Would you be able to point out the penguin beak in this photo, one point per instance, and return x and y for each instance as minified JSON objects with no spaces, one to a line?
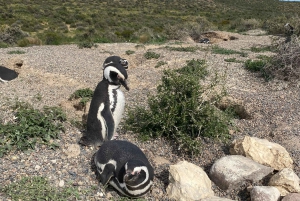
{"x":127,"y":176}
{"x":123,"y":82}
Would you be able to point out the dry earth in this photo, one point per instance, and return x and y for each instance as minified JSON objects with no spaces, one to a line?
{"x":53,"y":73}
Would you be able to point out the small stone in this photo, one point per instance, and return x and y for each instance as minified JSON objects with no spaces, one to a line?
{"x":14,"y":158}
{"x":53,"y":161}
{"x":61,"y":183}
{"x":37,"y":167}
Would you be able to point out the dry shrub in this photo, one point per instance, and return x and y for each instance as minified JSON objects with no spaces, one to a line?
{"x":191,"y":28}
{"x":29,"y":41}
{"x":285,"y":64}
{"x":245,"y":24}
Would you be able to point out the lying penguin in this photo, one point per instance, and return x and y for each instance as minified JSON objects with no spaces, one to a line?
{"x":108,"y":103}
{"x":124,"y":166}
{"x":7,"y":74}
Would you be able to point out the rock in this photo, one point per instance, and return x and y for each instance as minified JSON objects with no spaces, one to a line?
{"x":265,"y":193}
{"x":37,"y":167}
{"x":215,"y":198}
{"x":286,"y":181}
{"x":188,"y":182}
{"x":73,"y":150}
{"x":231,"y":171}
{"x":262,"y":151}
{"x":61,"y":183}
{"x":292,"y":197}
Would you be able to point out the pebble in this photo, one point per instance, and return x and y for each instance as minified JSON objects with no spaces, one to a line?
{"x":37,"y":167}
{"x":61,"y":183}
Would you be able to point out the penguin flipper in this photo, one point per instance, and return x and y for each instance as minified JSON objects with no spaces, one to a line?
{"x":107,"y":174}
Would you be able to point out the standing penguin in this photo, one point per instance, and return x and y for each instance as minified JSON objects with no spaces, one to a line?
{"x":124,"y":166}
{"x":108,"y":102}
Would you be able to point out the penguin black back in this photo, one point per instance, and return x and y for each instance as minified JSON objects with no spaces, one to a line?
{"x":7,"y":74}
{"x":125,"y":167}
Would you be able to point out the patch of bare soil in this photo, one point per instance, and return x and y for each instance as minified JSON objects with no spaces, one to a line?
{"x":50,"y":74}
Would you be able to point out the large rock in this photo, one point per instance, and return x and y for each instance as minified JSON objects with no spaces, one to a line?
{"x":231,"y":171}
{"x":292,"y":197}
{"x":188,"y":182}
{"x":265,"y":193}
{"x":286,"y":181}
{"x":263,"y":152}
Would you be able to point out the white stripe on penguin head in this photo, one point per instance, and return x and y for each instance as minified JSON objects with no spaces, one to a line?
{"x":107,"y":71}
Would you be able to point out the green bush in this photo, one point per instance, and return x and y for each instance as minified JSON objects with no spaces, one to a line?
{"x":219,"y":50}
{"x":16,"y":52}
{"x":160,"y":63}
{"x":255,"y":65}
{"x":38,"y":188}
{"x":151,"y":55}
{"x":30,"y":127}
{"x":183,"y":49}
{"x":129,"y":52}
{"x":82,"y":93}
{"x":85,"y":96}
{"x":179,"y":112}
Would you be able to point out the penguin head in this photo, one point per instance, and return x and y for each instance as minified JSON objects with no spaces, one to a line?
{"x":115,"y":71}
{"x":136,"y":173}
{"x":115,"y":60}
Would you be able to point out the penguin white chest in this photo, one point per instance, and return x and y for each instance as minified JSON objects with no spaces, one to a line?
{"x":117,"y":103}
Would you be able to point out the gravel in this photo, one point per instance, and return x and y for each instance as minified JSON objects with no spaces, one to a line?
{"x":50,"y":74}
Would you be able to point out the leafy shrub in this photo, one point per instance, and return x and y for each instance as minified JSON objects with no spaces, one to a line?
{"x":259,"y":66}
{"x":82,"y":93}
{"x":29,"y":41}
{"x":16,"y":52}
{"x":179,"y":112}
{"x":254,"y":65}
{"x":129,"y":52}
{"x":37,"y":188}
{"x":151,"y":55}
{"x":160,"y":63}
{"x":183,"y":49}
{"x":218,"y":50}
{"x":233,"y":60}
{"x":85,"y":96}
{"x":52,"y":38}
{"x":262,"y":49}
{"x":31,"y":126}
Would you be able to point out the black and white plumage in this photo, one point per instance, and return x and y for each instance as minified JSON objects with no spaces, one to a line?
{"x":125,"y":167}
{"x":7,"y":74}
{"x":108,"y":103}
{"x":204,"y":40}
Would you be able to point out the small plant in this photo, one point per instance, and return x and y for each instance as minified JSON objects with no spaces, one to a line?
{"x":183,"y":49}
{"x":151,"y":55}
{"x":16,"y":52}
{"x":85,"y":96}
{"x":179,"y":112}
{"x":218,"y":50}
{"x":254,"y":65}
{"x":160,"y":63}
{"x":129,"y":52}
{"x":233,"y":60}
{"x":38,"y":188}
{"x":262,"y":49}
{"x":31,"y":127}
{"x":82,"y":93}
